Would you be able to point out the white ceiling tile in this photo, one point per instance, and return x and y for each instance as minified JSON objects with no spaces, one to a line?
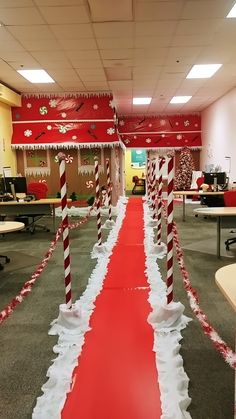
{"x":16,"y":3}
{"x":195,"y":40}
{"x":98,"y":86}
{"x":105,"y":10}
{"x":82,"y":54}
{"x":118,"y":73}
{"x":13,"y":56}
{"x":21,"y":16}
{"x":30,"y":32}
{"x":93,"y":78}
{"x":117,"y":63}
{"x":48,"y":56}
{"x":115,"y":43}
{"x":159,"y":10}
{"x":205,"y":9}
{"x":90,"y":72}
{"x":194,"y":27}
{"x":64,"y":14}
{"x":114,"y":29}
{"x":162,"y":28}
{"x":116,"y":54}
{"x":78,"y":63}
{"x":59,"y":2}
{"x":72,"y":31}
{"x":152,"y":41}
{"x":59,"y":64}
{"x":41,"y":45}
{"x":78,"y":44}
{"x":10,"y":46}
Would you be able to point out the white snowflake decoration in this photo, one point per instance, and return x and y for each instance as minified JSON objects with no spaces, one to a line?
{"x":163,"y":135}
{"x":53,"y":103}
{"x":179,"y":137}
{"x":121,"y":123}
{"x":29,"y":105}
{"x":148,"y":140}
{"x":127,"y":141}
{"x":27,"y":133}
{"x":111,"y":103}
{"x":74,"y":137}
{"x":63,"y":115}
{"x":95,"y":107}
{"x":186,"y":123}
{"x":162,"y":122}
{"x":110,"y":131}
{"x":49,"y":127}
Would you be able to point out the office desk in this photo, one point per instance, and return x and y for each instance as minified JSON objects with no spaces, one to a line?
{"x":194,"y":193}
{"x":42,"y":206}
{"x":225,"y":280}
{"x":218,"y":212}
{"x":8,"y":227}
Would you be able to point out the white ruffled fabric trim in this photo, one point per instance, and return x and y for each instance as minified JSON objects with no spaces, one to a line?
{"x":167,"y":320}
{"x":71,"y":326}
{"x":83,"y":211}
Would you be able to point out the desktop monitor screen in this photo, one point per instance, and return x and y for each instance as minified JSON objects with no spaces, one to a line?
{"x":18,"y":182}
{"x":219,"y":176}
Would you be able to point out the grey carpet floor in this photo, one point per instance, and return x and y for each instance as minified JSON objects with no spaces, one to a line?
{"x":26,"y":347}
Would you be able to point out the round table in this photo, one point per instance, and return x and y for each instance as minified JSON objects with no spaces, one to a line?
{"x":8,"y":227}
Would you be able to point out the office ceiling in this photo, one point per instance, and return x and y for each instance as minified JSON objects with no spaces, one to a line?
{"x":129,"y":48}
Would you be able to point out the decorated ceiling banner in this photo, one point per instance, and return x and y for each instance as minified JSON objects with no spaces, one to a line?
{"x":86,"y":160}
{"x":164,"y":132}
{"x":72,"y":121}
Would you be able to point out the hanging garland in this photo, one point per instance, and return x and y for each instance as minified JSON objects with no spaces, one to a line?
{"x":222,"y":347}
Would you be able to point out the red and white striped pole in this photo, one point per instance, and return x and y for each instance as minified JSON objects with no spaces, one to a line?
{"x":169,"y":280}
{"x":98,"y":201}
{"x":153,"y":190}
{"x":159,"y":204}
{"x":108,"y":188}
{"x":148,"y":177}
{"x":65,"y":229}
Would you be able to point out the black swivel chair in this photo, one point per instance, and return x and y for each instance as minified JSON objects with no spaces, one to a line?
{"x":230,"y":201}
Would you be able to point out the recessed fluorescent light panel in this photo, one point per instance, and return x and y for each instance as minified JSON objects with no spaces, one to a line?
{"x":203,"y":71}
{"x":180,"y":99}
{"x":232,"y":12}
{"x":36,"y":76}
{"x":142,"y":100}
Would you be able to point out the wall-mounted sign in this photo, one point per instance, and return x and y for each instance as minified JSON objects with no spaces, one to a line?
{"x":138,"y":159}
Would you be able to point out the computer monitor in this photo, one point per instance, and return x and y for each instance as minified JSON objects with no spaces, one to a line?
{"x":19,"y":183}
{"x":219,"y":176}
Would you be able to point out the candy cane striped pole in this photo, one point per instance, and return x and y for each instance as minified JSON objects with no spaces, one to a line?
{"x":98,"y":201}
{"x":148,"y":177}
{"x":169,"y":280}
{"x":108,"y":188}
{"x":153,"y":190}
{"x":65,"y":229}
{"x":159,"y":205}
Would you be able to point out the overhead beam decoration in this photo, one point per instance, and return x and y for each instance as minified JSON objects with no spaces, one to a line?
{"x":70,"y":121}
{"x":161,"y":132}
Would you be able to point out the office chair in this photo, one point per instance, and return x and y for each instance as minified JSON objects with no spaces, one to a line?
{"x":39,"y":191}
{"x":7,"y":260}
{"x":139,"y":186}
{"x":230,"y":201}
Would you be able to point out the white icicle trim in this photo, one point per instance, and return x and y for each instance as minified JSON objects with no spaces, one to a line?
{"x":71,"y":339}
{"x":83,"y":211}
{"x":167,"y":321}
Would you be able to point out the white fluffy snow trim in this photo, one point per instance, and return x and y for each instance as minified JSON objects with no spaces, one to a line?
{"x":99,"y":250}
{"x":71,"y":329}
{"x":167,"y":323}
{"x":158,"y":250}
{"x":82,"y":211}
{"x":108,"y":224}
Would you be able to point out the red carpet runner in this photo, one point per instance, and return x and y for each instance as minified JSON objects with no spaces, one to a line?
{"x":116,"y":377}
